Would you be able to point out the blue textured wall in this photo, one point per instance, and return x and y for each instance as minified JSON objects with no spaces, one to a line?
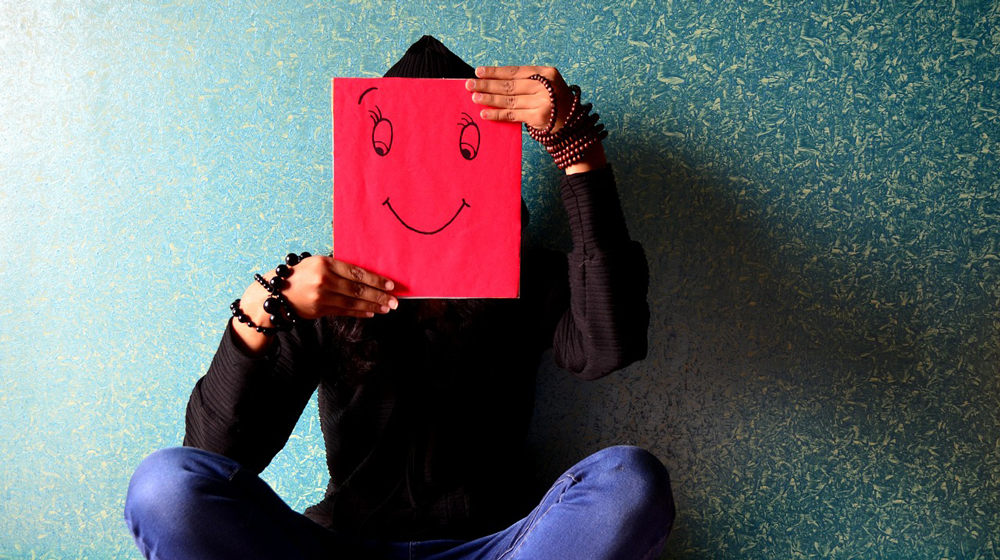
{"x":816,"y":186}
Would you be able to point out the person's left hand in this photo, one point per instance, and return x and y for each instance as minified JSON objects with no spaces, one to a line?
{"x":511,"y":96}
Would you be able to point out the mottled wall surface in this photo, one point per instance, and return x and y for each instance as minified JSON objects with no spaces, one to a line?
{"x":815,"y":184}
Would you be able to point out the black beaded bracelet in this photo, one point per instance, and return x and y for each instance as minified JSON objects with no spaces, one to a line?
{"x":279,"y":311}
{"x":260,"y":280}
{"x":242,"y":317}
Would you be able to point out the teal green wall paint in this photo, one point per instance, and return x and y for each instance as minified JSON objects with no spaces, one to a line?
{"x":815,"y":184}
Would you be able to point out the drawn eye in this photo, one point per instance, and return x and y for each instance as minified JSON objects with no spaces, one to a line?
{"x":468,"y":137}
{"x":381,"y":132}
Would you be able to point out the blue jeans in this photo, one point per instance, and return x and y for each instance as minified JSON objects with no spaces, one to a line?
{"x":188,"y":503}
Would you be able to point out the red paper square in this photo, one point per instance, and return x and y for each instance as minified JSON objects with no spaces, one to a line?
{"x":426,"y":192}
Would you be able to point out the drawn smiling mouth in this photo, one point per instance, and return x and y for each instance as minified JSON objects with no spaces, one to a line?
{"x":438,"y":230}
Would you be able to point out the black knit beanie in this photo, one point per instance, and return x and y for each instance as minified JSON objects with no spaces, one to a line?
{"x":429,"y":58}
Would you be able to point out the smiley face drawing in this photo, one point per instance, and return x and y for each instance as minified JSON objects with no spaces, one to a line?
{"x":425,"y":192}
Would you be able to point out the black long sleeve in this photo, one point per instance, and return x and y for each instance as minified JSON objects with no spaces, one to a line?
{"x":246,"y":407}
{"x":605,"y":327}
{"x":394,"y":449}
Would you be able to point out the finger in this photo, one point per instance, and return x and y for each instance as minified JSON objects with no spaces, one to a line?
{"x":352,"y":313}
{"x":511,"y":101}
{"x":514,"y":115}
{"x":360,"y":275}
{"x":505,"y":87}
{"x":339,"y":303}
{"x":514,"y":72}
{"x":359,"y":291}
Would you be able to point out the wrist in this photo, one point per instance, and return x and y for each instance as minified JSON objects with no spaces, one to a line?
{"x":263,"y":309}
{"x":593,"y":158}
{"x":575,"y":140}
{"x":252,"y":305}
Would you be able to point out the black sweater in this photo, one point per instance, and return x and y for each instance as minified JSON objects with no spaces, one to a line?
{"x":428,"y":444}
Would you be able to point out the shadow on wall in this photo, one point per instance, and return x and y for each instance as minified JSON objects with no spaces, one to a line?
{"x":772,"y":301}
{"x":821,"y":266}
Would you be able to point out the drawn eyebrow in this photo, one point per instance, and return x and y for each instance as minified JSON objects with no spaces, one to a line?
{"x":365,"y":93}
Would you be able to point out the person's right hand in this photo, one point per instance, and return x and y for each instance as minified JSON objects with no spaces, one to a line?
{"x":318,"y":287}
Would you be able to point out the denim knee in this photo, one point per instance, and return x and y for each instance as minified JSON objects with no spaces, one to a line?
{"x":640,"y":485}
{"x":169,"y":484}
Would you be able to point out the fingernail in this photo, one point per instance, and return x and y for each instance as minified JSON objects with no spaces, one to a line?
{"x":369,"y":314}
{"x":470,"y":84}
{"x":384,"y":309}
{"x":479,"y":71}
{"x":483,"y":114}
{"x":394,"y":303}
{"x":389,"y":285}
{"x":477,"y":97}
